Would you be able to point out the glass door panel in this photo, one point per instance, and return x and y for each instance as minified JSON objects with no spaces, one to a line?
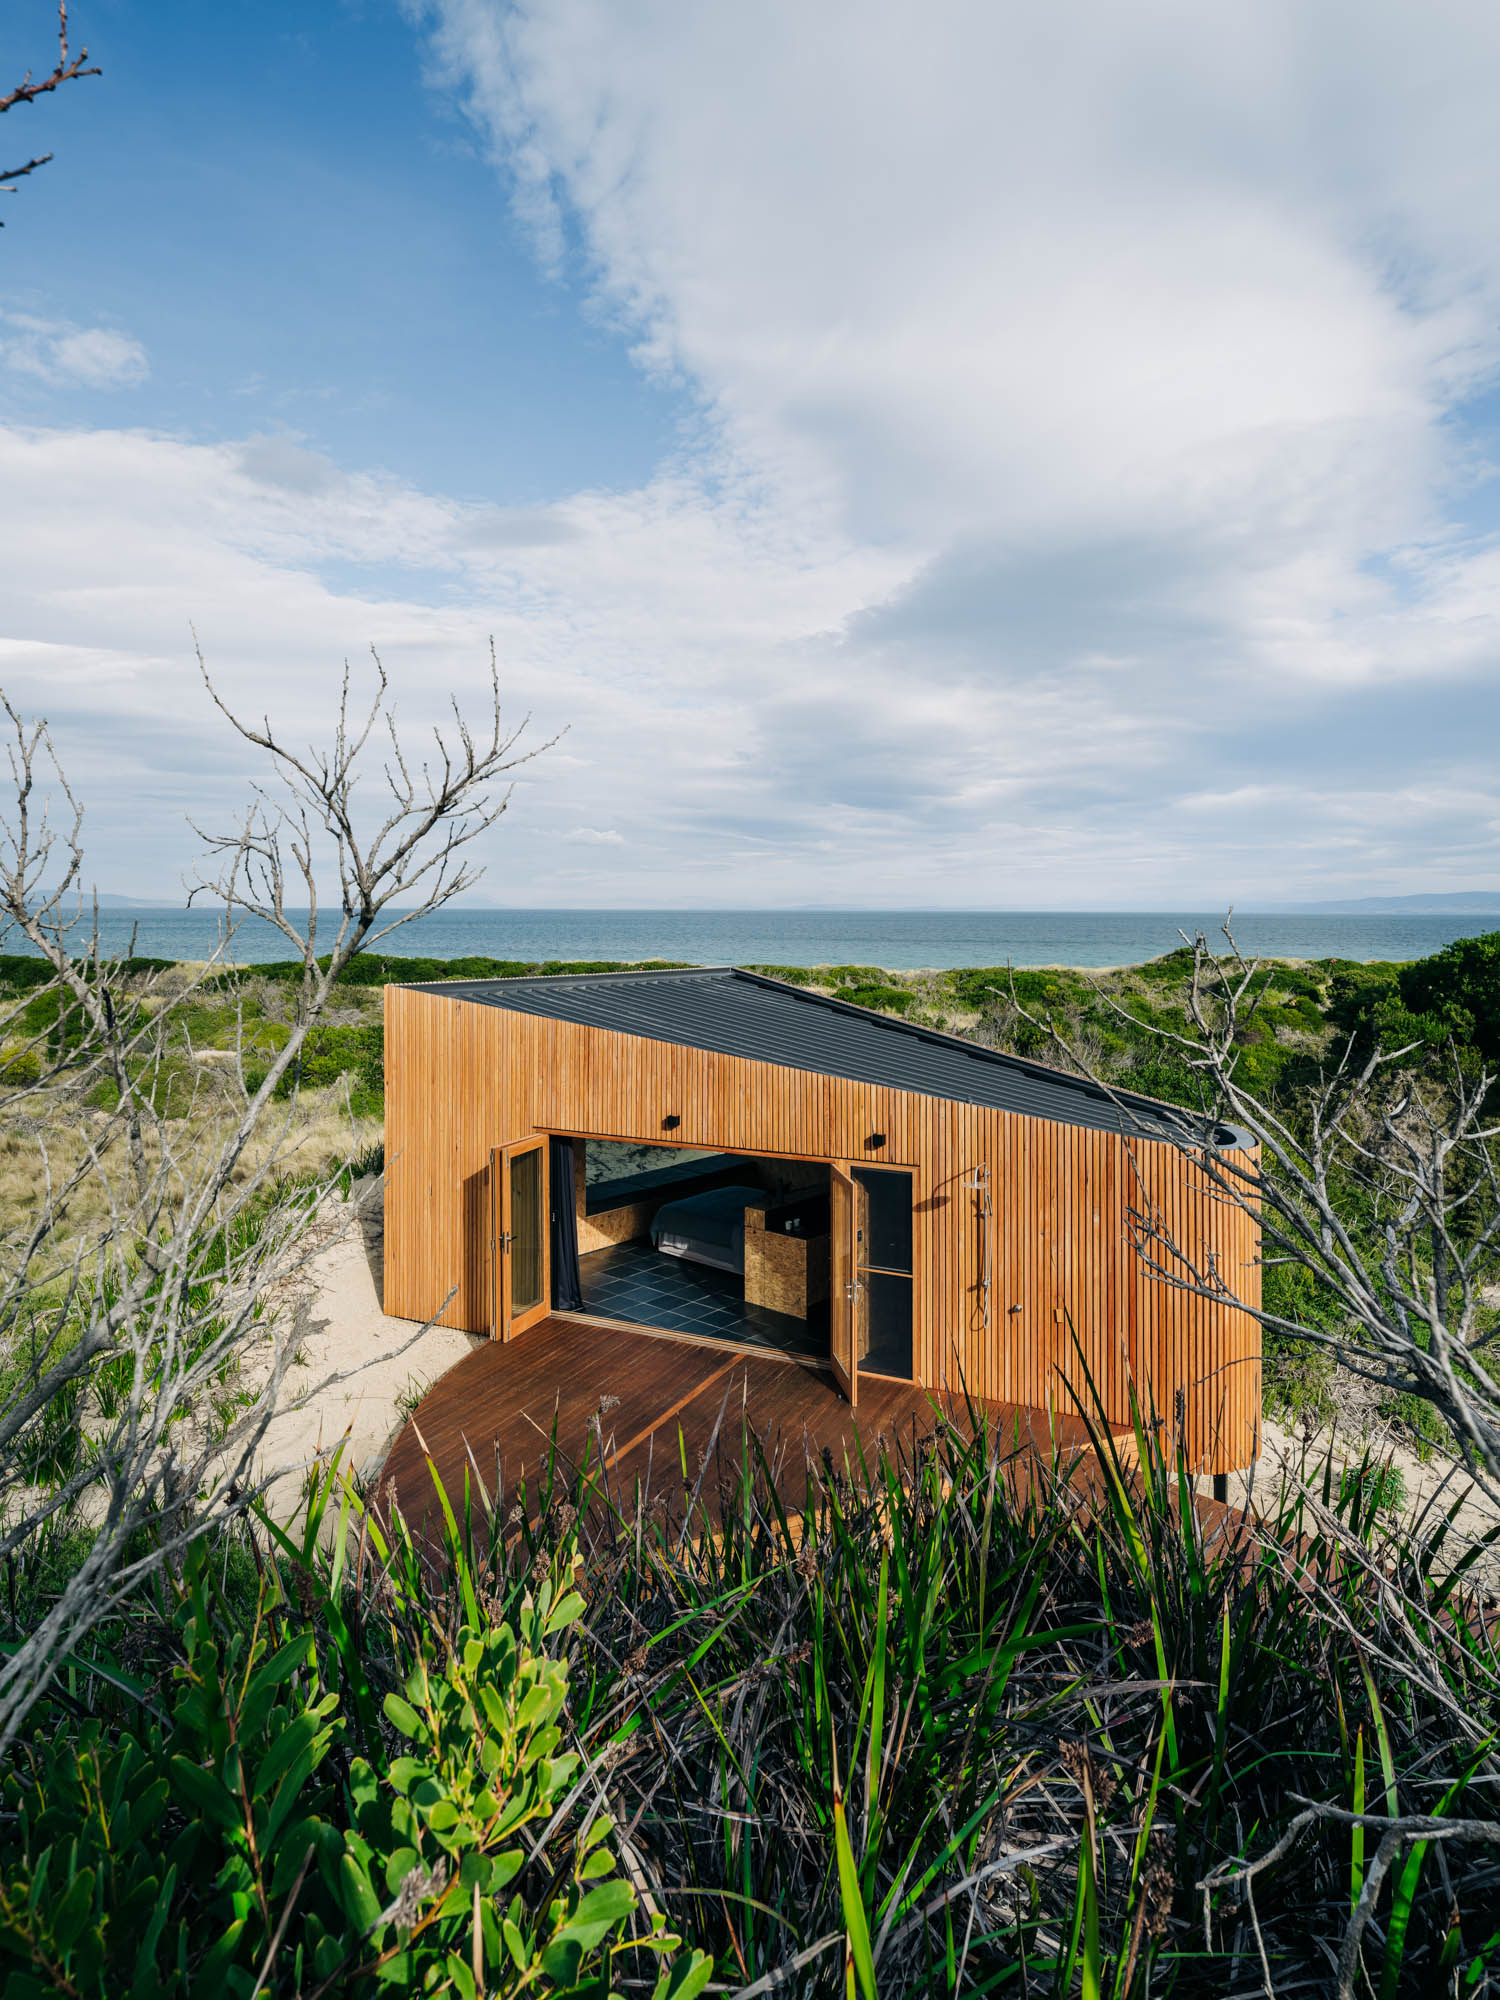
{"x":527,"y":1230}
{"x":887,"y":1323}
{"x":519,"y":1240}
{"x":843,"y":1284}
{"x":883,"y":1269}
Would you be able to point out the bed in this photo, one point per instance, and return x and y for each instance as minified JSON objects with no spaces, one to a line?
{"x":707,"y":1228}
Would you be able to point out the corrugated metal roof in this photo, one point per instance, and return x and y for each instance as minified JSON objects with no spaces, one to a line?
{"x":736,"y":1013}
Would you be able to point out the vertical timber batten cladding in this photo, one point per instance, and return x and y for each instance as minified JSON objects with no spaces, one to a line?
{"x":748,"y":1065}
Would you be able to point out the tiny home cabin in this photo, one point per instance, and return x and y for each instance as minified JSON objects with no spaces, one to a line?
{"x":724,"y":1156}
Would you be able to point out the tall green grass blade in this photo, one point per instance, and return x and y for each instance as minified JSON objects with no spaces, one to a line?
{"x":1382,"y":1739}
{"x":1404,"y":1894}
{"x":1091,"y":1982}
{"x":860,"y":1961}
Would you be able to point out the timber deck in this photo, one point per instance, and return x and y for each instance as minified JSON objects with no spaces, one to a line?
{"x":650,"y":1408}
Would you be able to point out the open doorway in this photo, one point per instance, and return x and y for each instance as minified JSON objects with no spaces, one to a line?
{"x":727,"y":1246}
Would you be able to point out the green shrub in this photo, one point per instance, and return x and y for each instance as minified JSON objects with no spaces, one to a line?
{"x":977,"y":1724}
{"x":20,"y":974}
{"x":1172,"y":968}
{"x":20,"y":1066}
{"x":835,"y":1716}
{"x":1416,"y":1418}
{"x":57,"y":1016}
{"x":1297,"y":1379}
{"x":849,"y":975}
{"x":328,"y":1053}
{"x":1460,"y":987}
{"x":978,"y":988}
{"x":1372,"y":1489}
{"x":790,"y":975}
{"x":883,"y":999}
{"x":391,"y":969}
{"x":253,"y":1819}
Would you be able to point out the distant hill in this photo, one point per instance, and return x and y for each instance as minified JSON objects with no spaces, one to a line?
{"x":1453,"y":903}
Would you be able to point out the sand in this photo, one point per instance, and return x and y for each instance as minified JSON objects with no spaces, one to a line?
{"x":1294,"y":1456}
{"x":344,"y":1328}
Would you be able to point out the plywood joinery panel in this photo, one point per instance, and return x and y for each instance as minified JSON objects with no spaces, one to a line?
{"x":1070,"y":1298}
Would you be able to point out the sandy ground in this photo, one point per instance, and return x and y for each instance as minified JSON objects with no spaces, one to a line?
{"x":1294,"y":1456}
{"x":345,"y":1329}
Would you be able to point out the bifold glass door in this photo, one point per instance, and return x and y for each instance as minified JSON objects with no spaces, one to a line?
{"x":519,"y":1275}
{"x":882,"y":1270}
{"x":870,"y":1290}
{"x":843,"y":1285}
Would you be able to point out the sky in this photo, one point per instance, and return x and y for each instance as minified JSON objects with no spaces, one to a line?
{"x":1025,"y":457}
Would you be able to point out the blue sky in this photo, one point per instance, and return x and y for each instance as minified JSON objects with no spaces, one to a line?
{"x":303,"y":237}
{"x":1039,"y":457}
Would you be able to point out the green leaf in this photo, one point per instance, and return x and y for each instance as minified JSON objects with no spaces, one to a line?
{"x":212,"y":1969}
{"x":599,"y":1913}
{"x":356,"y":1894}
{"x":299,"y":1735}
{"x":535,"y":1707}
{"x":286,"y":1797}
{"x":561,"y":1959}
{"x":461,"y":1976}
{"x":279,"y":1669}
{"x":688,"y":1978}
{"x":206,"y":1793}
{"x":564,"y":1612}
{"x":72,"y":1913}
{"x":404,"y":1716}
{"x":856,"y":1923}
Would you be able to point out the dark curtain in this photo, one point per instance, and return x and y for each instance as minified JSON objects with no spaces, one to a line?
{"x":567,"y":1282}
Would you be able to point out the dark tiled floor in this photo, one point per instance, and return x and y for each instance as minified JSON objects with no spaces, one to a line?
{"x":631,"y":1281}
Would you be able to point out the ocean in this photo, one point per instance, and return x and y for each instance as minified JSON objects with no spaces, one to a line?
{"x":899,"y":940}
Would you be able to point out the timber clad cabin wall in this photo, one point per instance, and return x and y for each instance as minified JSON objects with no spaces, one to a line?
{"x":462,"y":1077}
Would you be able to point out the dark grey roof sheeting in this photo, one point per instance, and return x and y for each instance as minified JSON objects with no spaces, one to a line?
{"x":736,"y":1013}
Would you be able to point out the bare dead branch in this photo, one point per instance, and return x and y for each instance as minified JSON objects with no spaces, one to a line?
{"x":134,"y":1331}
{"x":1383,"y":1183}
{"x":67,"y":69}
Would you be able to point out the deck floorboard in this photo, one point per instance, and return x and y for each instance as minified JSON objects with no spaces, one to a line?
{"x":652,"y":1406}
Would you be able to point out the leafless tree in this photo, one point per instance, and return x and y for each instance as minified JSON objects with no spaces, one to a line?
{"x":154,"y":1332}
{"x":67,"y":69}
{"x":1382,"y":1182}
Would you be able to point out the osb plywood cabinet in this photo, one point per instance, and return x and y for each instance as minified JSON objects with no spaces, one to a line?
{"x":785,"y":1273}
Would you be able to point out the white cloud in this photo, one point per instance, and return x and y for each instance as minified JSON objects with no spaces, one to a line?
{"x":999,"y":267}
{"x":1133,"y":342}
{"x":56,"y":351}
{"x":1076,"y":514}
{"x":756,"y":712}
